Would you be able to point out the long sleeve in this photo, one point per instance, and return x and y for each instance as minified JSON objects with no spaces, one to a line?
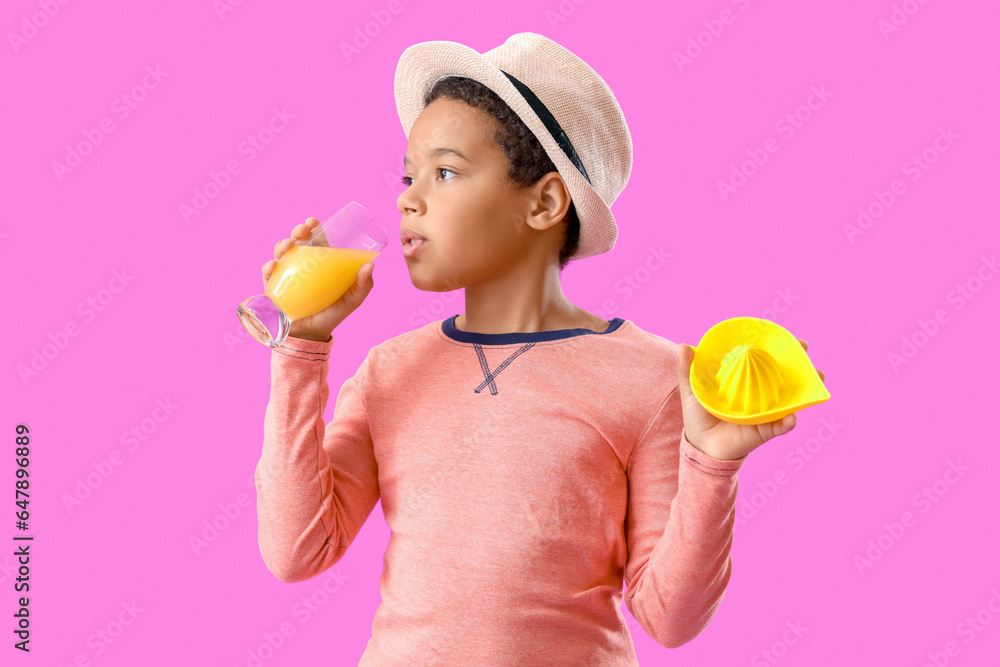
{"x":316,"y":483}
{"x":679,"y":530}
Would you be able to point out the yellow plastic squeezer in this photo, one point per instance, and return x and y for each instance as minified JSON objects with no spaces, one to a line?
{"x":748,"y":370}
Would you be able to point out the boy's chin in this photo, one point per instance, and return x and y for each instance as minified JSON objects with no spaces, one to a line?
{"x":421,"y":278}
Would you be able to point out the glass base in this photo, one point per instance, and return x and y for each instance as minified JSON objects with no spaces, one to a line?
{"x":265,"y":321}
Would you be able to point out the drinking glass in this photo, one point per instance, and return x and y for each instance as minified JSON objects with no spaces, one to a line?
{"x":311,"y":276}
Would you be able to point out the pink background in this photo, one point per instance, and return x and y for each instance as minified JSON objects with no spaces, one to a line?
{"x":779,"y":246}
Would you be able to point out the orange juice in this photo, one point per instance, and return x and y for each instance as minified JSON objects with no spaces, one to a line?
{"x":311,"y":278}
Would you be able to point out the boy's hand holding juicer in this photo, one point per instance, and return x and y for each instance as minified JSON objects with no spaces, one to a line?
{"x":742,"y":386}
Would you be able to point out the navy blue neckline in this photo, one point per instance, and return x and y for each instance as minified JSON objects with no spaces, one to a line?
{"x":448,"y":327}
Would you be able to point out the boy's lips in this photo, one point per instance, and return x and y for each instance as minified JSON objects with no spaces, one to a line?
{"x":406,"y":234}
{"x":410,"y":248}
{"x":412,"y":241}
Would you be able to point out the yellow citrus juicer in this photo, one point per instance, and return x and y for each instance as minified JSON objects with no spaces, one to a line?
{"x":748,"y":370}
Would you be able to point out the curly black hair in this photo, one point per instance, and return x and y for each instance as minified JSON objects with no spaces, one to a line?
{"x":527,"y":160}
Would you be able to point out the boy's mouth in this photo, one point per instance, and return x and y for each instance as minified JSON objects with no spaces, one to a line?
{"x":411,"y":246}
{"x":408,"y":235}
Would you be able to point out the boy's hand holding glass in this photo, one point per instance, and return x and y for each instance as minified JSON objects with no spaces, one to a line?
{"x":319,"y":276}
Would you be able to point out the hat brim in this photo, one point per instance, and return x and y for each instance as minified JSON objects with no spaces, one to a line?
{"x":421,"y":65}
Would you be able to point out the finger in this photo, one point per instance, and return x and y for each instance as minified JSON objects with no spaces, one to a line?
{"x":822,"y":375}
{"x":304,"y":230}
{"x":312,"y":232}
{"x":267,"y":269}
{"x":785,"y":424}
{"x":805,"y":345}
{"x":281,"y":247}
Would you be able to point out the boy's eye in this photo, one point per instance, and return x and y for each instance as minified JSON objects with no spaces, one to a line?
{"x":407,"y":180}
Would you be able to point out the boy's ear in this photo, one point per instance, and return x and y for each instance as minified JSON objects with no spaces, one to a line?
{"x":550,"y":201}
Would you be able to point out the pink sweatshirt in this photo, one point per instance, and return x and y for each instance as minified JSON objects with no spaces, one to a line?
{"x":522,"y":475}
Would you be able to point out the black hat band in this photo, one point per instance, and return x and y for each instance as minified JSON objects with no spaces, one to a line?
{"x":551,"y":124}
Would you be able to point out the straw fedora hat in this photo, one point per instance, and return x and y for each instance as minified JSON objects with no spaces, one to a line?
{"x":562,"y":100}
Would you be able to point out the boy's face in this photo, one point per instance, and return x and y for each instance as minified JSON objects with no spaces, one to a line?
{"x":471,"y":215}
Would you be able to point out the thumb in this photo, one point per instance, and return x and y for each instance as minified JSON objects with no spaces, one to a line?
{"x":357,"y":292}
{"x":365,"y":273}
{"x":685,"y":355}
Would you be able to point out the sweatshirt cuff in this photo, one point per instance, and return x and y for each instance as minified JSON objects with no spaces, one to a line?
{"x":707,"y":464}
{"x":306,"y":350}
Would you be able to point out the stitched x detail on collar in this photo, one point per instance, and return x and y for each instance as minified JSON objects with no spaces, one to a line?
{"x":489,"y":375}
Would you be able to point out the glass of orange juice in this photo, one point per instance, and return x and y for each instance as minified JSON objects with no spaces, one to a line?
{"x":311,"y":276}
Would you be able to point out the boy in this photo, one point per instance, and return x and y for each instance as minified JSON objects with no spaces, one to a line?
{"x":529,"y":455}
